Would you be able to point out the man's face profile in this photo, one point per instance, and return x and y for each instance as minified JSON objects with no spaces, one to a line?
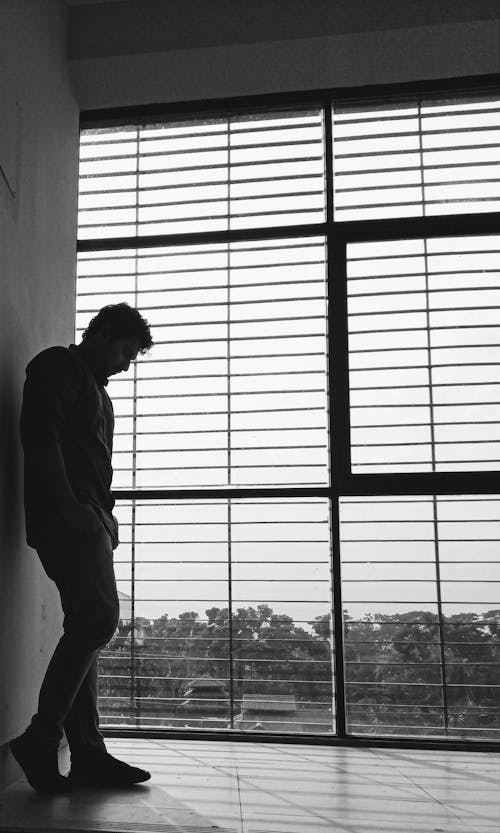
{"x":116,"y":354}
{"x":111,"y":355}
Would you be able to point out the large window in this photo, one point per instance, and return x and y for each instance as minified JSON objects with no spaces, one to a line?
{"x":304,"y":462}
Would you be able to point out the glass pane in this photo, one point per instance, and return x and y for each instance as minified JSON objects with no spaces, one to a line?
{"x":421,"y":581}
{"x":234,"y":391}
{"x":424,"y":354}
{"x":210,"y":174}
{"x":407,"y":159}
{"x":191,"y":653}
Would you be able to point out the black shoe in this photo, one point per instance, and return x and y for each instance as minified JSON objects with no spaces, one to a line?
{"x":102,"y":770}
{"x":40,"y":765}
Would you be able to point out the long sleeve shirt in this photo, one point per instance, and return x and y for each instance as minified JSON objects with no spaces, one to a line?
{"x":64,"y":402}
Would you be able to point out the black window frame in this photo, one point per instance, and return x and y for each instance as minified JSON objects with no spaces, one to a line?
{"x":338,"y":235}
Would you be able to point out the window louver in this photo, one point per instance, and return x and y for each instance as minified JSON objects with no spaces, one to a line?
{"x":234,"y":392}
{"x":227,"y":173}
{"x":414,"y":159}
{"x":424,"y":321}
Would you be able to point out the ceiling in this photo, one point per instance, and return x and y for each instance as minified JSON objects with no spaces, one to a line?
{"x":93,"y":2}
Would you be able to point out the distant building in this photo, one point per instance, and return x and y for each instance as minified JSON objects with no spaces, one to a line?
{"x":205,"y":703}
{"x":124,"y":628}
{"x":280,"y":713}
{"x":125,"y":610}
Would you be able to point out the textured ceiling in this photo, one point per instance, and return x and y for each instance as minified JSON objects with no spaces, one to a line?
{"x":93,"y":2}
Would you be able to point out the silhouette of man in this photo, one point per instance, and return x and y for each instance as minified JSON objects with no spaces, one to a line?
{"x":67,"y":434}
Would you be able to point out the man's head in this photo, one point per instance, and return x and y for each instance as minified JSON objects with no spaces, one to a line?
{"x":115,"y":337}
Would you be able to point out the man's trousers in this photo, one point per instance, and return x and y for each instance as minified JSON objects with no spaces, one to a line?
{"x":82,"y":568}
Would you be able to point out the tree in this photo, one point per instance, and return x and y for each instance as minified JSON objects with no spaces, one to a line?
{"x":398,"y":674}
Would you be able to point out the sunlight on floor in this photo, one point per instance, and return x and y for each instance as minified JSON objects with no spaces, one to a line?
{"x":205,"y":787}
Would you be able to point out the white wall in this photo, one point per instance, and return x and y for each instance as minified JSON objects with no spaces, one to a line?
{"x":39,"y":154}
{"x":146,"y":52}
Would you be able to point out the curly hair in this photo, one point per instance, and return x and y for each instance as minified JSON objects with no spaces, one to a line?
{"x":123,"y":321}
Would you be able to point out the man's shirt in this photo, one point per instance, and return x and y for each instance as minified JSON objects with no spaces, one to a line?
{"x":64,"y":402}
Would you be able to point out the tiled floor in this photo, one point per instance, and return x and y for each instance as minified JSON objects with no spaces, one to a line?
{"x":224,"y":787}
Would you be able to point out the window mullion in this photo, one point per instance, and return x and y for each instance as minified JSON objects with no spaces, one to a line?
{"x":338,"y":412}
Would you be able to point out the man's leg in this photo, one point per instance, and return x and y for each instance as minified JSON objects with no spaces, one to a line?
{"x":86,"y":582}
{"x":85,"y":578}
{"x":82,"y":723}
{"x":91,"y":764}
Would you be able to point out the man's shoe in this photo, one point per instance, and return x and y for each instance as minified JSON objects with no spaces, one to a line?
{"x":103,"y":770}
{"x":40,"y":765}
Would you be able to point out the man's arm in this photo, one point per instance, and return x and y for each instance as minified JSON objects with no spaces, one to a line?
{"x":50,"y":393}
{"x":79,"y":516}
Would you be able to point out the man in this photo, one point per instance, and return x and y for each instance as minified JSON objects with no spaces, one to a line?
{"x":67,"y":433}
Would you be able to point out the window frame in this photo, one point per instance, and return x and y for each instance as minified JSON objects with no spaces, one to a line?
{"x":401,"y":483}
{"x":337,"y":235}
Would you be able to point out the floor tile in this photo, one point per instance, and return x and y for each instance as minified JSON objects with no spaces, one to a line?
{"x":273,"y":788}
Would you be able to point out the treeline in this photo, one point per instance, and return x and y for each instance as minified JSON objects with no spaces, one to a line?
{"x":405,"y":673}
{"x":412,"y":674}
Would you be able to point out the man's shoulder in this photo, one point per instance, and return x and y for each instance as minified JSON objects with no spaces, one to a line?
{"x":56,"y":361}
